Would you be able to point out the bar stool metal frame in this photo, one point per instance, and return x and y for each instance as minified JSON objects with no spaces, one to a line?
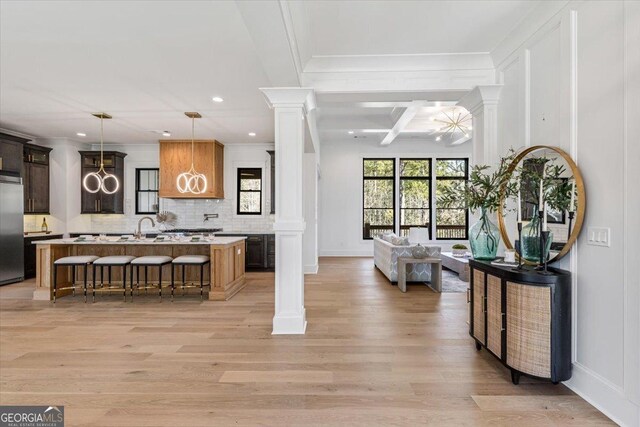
{"x":178,"y":262}
{"x":115,"y":263}
{"x":83,"y":261}
{"x":146,"y":285}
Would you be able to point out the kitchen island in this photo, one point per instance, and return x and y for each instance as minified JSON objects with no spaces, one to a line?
{"x":227,"y":260}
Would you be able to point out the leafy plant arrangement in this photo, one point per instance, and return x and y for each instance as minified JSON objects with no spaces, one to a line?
{"x":483,"y":190}
{"x":458,"y":246}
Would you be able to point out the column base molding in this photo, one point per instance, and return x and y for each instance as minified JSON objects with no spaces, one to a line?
{"x":290,"y":324}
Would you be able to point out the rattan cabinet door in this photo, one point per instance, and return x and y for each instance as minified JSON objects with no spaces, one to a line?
{"x":494,"y":315}
{"x":478,"y":306}
{"x":529,"y":329}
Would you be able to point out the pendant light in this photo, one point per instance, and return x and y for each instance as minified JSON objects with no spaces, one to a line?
{"x":192,"y":181}
{"x":99,"y":179}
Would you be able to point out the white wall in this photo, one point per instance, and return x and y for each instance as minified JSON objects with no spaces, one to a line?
{"x":340,"y":189}
{"x":571,"y":81}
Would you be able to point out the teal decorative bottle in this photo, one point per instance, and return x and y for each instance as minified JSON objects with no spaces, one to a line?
{"x":531,"y":240}
{"x":484,"y":238}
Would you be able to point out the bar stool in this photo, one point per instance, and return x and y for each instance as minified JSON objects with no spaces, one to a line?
{"x":73,"y":262}
{"x":184,"y":261}
{"x":149,"y":261}
{"x":111,"y":261}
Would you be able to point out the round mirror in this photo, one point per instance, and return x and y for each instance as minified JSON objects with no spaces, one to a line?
{"x":549,"y":196}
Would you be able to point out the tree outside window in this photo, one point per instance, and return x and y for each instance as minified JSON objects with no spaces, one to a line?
{"x":415,"y":194}
{"x":452,"y":221}
{"x":379,"y":201}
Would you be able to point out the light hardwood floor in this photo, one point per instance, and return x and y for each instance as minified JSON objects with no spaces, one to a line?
{"x":372,"y":355}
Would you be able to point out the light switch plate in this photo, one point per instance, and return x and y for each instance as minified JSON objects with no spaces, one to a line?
{"x":599,"y":236}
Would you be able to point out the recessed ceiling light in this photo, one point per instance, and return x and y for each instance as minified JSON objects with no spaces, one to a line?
{"x":350,"y":132}
{"x":81,"y":134}
{"x":166,"y":133}
{"x":252,"y":134}
{"x":217,"y":99}
{"x":438,"y":138}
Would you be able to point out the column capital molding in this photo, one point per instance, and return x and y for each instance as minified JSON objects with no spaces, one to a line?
{"x":481,"y":96}
{"x":304,"y":97}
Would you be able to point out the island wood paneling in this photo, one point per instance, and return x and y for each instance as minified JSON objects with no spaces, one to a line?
{"x":208,"y":159}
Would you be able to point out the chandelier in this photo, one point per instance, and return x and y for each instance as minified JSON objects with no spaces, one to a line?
{"x":455,"y":121}
{"x":192,"y":181}
{"x":97,"y":181}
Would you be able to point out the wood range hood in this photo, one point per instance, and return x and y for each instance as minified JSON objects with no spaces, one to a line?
{"x":208,"y":159}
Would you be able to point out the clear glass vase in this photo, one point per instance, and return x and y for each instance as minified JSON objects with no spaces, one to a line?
{"x":484,"y":238}
{"x":531,"y":240}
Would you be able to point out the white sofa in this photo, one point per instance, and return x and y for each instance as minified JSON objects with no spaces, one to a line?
{"x":385,"y":258}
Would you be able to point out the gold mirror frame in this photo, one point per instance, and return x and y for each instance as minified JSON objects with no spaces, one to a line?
{"x":582,"y":199}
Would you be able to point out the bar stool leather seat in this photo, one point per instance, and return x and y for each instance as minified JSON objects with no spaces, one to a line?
{"x":76,"y":260}
{"x":152,"y":260}
{"x":191,"y":259}
{"x":114,"y":260}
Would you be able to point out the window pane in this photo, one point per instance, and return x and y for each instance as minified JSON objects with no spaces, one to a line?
{"x":144,"y":180}
{"x":414,"y":193}
{"x":250,"y":184}
{"x":378,"y":193}
{"x":377,"y":222}
{"x":451,"y":218}
{"x":414,"y":168}
{"x":451,"y":223}
{"x":153,"y":180}
{"x":453,"y":168}
{"x":378,"y":168}
{"x":249,"y":202}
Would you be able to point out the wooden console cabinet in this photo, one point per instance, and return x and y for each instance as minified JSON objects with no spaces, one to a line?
{"x":523,"y":318}
{"x":175,"y":158}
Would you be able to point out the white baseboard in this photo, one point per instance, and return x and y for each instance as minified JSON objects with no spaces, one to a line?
{"x":358,"y":253}
{"x":290,"y":324}
{"x":311,"y":269}
{"x":605,"y":396}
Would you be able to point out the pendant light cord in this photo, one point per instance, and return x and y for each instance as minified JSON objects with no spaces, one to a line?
{"x":101,"y":143}
{"x":193,"y":135}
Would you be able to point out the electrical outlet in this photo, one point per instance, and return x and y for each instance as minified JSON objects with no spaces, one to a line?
{"x":599,"y":236}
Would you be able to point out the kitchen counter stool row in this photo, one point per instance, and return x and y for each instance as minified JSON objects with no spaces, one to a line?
{"x":134,"y":263}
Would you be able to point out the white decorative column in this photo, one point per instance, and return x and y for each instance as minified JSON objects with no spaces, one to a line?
{"x":482,"y":103}
{"x":290,"y":105}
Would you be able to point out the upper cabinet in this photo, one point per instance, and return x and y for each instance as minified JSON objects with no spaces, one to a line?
{"x":11,"y":154}
{"x":101,"y":203}
{"x":208,"y":159}
{"x":35,"y":176}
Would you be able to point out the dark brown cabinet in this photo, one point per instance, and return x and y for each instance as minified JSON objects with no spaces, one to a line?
{"x":30,"y":253}
{"x":272,"y":179}
{"x":11,"y":154}
{"x":260,"y":252}
{"x":35,"y":175}
{"x":101,"y":203}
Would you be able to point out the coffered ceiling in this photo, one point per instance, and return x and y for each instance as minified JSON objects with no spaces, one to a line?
{"x":147,"y":62}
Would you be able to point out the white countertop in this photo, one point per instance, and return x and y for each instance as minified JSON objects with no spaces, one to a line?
{"x":218,"y":240}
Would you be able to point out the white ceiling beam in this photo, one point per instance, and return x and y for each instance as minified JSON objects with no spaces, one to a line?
{"x":403,"y":121}
{"x":265,"y":22}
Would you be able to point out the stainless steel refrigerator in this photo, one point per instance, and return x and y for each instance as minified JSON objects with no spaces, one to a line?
{"x":11,"y":230}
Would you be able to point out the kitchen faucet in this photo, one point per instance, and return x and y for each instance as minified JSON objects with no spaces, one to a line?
{"x":138,"y":234}
{"x":207,"y":217}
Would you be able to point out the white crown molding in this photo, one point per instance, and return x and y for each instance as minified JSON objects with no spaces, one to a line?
{"x":399,"y":62}
{"x":536,"y":19}
{"x":291,"y":37}
{"x":403,"y":81}
{"x":16,"y":133}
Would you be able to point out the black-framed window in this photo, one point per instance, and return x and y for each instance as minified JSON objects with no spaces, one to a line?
{"x":249,"y":196}
{"x":147,"y":191}
{"x":378,"y":188}
{"x":415,"y":194}
{"x":452,"y":222}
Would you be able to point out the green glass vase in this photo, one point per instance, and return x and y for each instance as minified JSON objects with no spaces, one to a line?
{"x":531,"y":240}
{"x":484,"y":238}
